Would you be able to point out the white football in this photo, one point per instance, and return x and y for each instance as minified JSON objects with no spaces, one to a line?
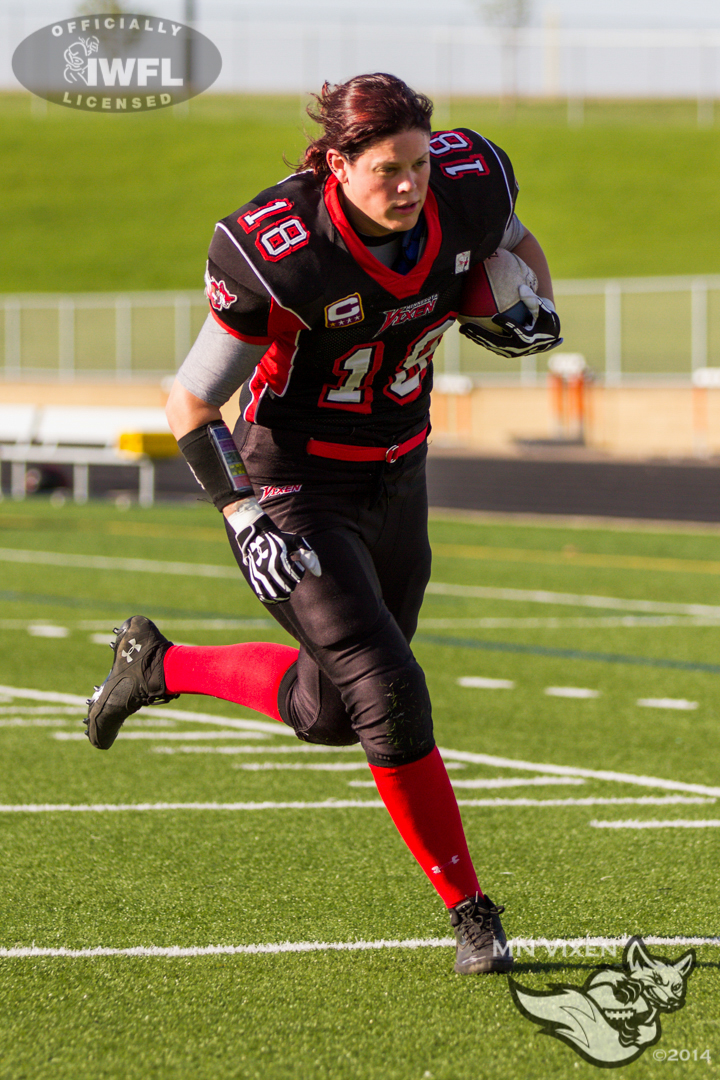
{"x":492,"y":288}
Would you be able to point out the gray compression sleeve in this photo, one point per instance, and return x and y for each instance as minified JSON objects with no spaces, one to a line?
{"x":218,"y":364}
{"x":513,"y":234}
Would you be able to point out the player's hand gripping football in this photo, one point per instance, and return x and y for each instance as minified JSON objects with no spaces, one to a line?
{"x":276,"y":560}
{"x":539,"y":333}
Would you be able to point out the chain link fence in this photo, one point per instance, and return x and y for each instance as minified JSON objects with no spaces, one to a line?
{"x":628,"y":329}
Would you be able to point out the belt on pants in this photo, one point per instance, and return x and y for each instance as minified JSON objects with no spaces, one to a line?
{"x":344,"y":452}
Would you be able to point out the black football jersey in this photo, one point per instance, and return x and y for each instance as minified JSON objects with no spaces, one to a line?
{"x":349,"y":341}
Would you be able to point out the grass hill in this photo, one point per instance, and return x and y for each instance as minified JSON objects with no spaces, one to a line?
{"x":129,"y":202}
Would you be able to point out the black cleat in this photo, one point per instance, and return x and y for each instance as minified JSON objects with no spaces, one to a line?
{"x":135,"y":679}
{"x":481,"y":941}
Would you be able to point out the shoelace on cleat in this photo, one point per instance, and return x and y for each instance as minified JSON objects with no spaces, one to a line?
{"x":477,"y":923}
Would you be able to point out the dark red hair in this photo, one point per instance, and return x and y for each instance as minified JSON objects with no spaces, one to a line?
{"x":356,"y":114}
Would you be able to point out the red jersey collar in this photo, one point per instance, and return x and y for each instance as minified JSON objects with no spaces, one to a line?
{"x":399,"y":285}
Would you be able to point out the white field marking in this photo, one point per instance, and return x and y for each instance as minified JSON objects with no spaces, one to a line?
{"x":699,"y":823}
{"x":38,"y":710}
{"x":271,"y":727}
{"x":275,"y":948}
{"x":179,"y":736}
{"x":667,"y":703}
{"x":47,"y":630}
{"x":335,"y":804}
{"x":25,"y":722}
{"x":589,"y":623}
{"x":479,"y":682}
{"x":156,"y":566}
{"x":302,"y":748}
{"x":511,"y":781}
{"x":570,"y":770}
{"x":182,"y":624}
{"x":517,"y":781}
{"x":571,"y":692}
{"x":336,"y":766}
{"x":103,"y":562}
{"x":542,"y":596}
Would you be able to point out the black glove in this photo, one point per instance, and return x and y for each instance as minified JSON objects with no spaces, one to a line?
{"x":540,"y":333}
{"x":268,"y":554}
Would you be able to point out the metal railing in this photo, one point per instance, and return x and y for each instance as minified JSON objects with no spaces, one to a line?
{"x":628,"y":329}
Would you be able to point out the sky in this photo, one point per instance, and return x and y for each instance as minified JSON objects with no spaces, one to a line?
{"x":569,"y":13}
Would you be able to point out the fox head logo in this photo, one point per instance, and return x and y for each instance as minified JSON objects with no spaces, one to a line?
{"x":615,"y":1015}
{"x":218,"y":294}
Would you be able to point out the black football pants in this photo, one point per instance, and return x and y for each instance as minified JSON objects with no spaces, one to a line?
{"x":356,"y":679}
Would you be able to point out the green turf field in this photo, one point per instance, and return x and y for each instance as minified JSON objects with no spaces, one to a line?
{"x":627,"y":615}
{"x":129,"y":202}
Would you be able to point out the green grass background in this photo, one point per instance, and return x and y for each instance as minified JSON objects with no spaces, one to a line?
{"x":199,"y":878}
{"x":129,"y":202}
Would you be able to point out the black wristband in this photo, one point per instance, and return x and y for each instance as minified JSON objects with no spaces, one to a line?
{"x":216,"y":463}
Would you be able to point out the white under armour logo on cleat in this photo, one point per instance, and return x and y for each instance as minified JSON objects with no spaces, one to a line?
{"x":134,"y":647}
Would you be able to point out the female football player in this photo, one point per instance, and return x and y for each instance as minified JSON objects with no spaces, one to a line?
{"x":329,"y":293}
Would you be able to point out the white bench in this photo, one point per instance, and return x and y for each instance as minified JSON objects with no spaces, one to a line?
{"x":82,"y":436}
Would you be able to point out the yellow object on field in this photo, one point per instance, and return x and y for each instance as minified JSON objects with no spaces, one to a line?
{"x":154,"y":444}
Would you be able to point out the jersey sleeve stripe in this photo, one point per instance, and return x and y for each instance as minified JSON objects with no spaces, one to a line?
{"x":236,"y":334}
{"x":505,"y":176}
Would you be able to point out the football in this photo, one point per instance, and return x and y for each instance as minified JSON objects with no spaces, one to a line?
{"x":492,"y":288}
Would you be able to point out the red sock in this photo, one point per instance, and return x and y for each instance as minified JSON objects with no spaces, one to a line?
{"x":249,"y":674}
{"x":422,"y":803}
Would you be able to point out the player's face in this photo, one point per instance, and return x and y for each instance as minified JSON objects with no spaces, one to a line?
{"x":384,"y":189}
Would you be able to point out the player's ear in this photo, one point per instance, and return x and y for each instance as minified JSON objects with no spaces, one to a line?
{"x":337,"y":164}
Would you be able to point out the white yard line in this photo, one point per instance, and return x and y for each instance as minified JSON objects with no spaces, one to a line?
{"x":512,"y":781}
{"x":578,"y":947}
{"x":699,"y":823}
{"x":589,"y":623}
{"x":480,"y":682}
{"x":571,"y":770}
{"x":542,"y":596}
{"x":104,"y":562}
{"x":450,"y":755}
{"x":438,"y":588}
{"x":336,"y":804}
{"x":154,"y":713}
{"x":179,"y":736}
{"x":668,"y":703}
{"x":297,"y":748}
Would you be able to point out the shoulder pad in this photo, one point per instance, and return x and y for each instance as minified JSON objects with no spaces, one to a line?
{"x":469,"y":170}
{"x":282,"y":235}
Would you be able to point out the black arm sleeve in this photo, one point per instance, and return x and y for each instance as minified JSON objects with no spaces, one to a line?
{"x":216,"y":463}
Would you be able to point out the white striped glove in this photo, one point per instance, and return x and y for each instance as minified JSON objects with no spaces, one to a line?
{"x":540,"y":334}
{"x":276,"y":560}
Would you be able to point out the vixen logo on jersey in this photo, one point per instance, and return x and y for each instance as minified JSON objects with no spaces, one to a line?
{"x":218,"y":294}
{"x":269,"y":492}
{"x":344,"y":312}
{"x":401,"y":315}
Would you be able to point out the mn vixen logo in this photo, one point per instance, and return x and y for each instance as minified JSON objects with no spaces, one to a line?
{"x":269,"y":492}
{"x":615,"y":1015}
{"x":218,"y":294}
{"x":411,"y":311}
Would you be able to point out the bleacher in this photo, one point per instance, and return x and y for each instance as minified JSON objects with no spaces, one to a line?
{"x":82,"y":437}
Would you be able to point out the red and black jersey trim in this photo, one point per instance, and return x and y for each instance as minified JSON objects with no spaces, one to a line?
{"x":398,"y":285}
